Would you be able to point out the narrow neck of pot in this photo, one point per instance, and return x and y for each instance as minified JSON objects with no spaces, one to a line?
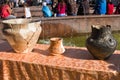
{"x":56,"y":41}
{"x":101,"y":32}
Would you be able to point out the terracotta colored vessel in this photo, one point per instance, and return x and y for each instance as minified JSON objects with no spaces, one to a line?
{"x":101,"y":43}
{"x":22,"y":34}
{"x":56,"y":46}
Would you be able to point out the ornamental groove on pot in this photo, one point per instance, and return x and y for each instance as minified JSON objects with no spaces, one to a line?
{"x":101,"y":43}
{"x":22,"y":34}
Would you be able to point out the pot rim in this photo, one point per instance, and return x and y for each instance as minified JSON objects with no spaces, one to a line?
{"x":55,"y":39}
{"x":16,"y":21}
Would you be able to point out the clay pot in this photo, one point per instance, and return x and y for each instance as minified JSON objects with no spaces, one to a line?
{"x":56,"y":46}
{"x":101,"y":43}
{"x":22,"y":34}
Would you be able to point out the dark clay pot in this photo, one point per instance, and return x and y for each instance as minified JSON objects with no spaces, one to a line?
{"x":101,"y":43}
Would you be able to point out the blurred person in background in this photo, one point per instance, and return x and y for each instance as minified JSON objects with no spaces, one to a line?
{"x":49,"y":2}
{"x":83,"y":8}
{"x":68,"y":7}
{"x":29,"y":2}
{"x":16,"y":3}
{"x":86,"y":7}
{"x":46,"y":10}
{"x":110,"y":7}
{"x":27,"y":11}
{"x":100,"y":7}
{"x":11,"y":3}
{"x":62,"y":8}
{"x":6,"y":11}
{"x":21,"y":3}
{"x":117,"y":11}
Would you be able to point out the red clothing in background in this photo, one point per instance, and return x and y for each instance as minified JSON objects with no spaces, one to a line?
{"x":61,"y":8}
{"x":110,"y":8}
{"x":4,"y":11}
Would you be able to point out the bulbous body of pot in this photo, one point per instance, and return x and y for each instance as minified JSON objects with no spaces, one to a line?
{"x":21,"y":34}
{"x":56,"y":46}
{"x":101,"y":43}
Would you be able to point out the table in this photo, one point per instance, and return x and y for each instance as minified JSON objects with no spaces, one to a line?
{"x":75,"y":64}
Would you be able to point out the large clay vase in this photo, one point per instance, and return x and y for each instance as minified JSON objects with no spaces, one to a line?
{"x":56,"y":46}
{"x":101,"y":43}
{"x":22,"y":34}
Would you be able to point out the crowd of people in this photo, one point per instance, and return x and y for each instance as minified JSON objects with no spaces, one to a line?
{"x":58,"y":7}
{"x":82,"y":7}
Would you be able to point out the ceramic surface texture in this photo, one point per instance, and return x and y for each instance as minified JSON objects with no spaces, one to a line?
{"x":56,"y":46}
{"x":22,"y":34}
{"x":101,"y":43}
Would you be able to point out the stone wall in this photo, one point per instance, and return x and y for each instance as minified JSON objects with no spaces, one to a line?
{"x":36,"y":11}
{"x":74,"y":25}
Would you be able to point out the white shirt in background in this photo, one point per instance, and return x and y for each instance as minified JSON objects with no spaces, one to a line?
{"x":27,"y":12}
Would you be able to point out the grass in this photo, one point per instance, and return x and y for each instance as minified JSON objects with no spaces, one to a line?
{"x":79,"y":41}
{"x":117,"y":37}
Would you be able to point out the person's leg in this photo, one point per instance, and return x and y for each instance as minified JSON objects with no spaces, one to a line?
{"x":61,"y":15}
{"x":10,"y":17}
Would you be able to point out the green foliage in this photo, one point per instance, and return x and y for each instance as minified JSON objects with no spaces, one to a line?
{"x":79,"y":41}
{"x":117,"y":37}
